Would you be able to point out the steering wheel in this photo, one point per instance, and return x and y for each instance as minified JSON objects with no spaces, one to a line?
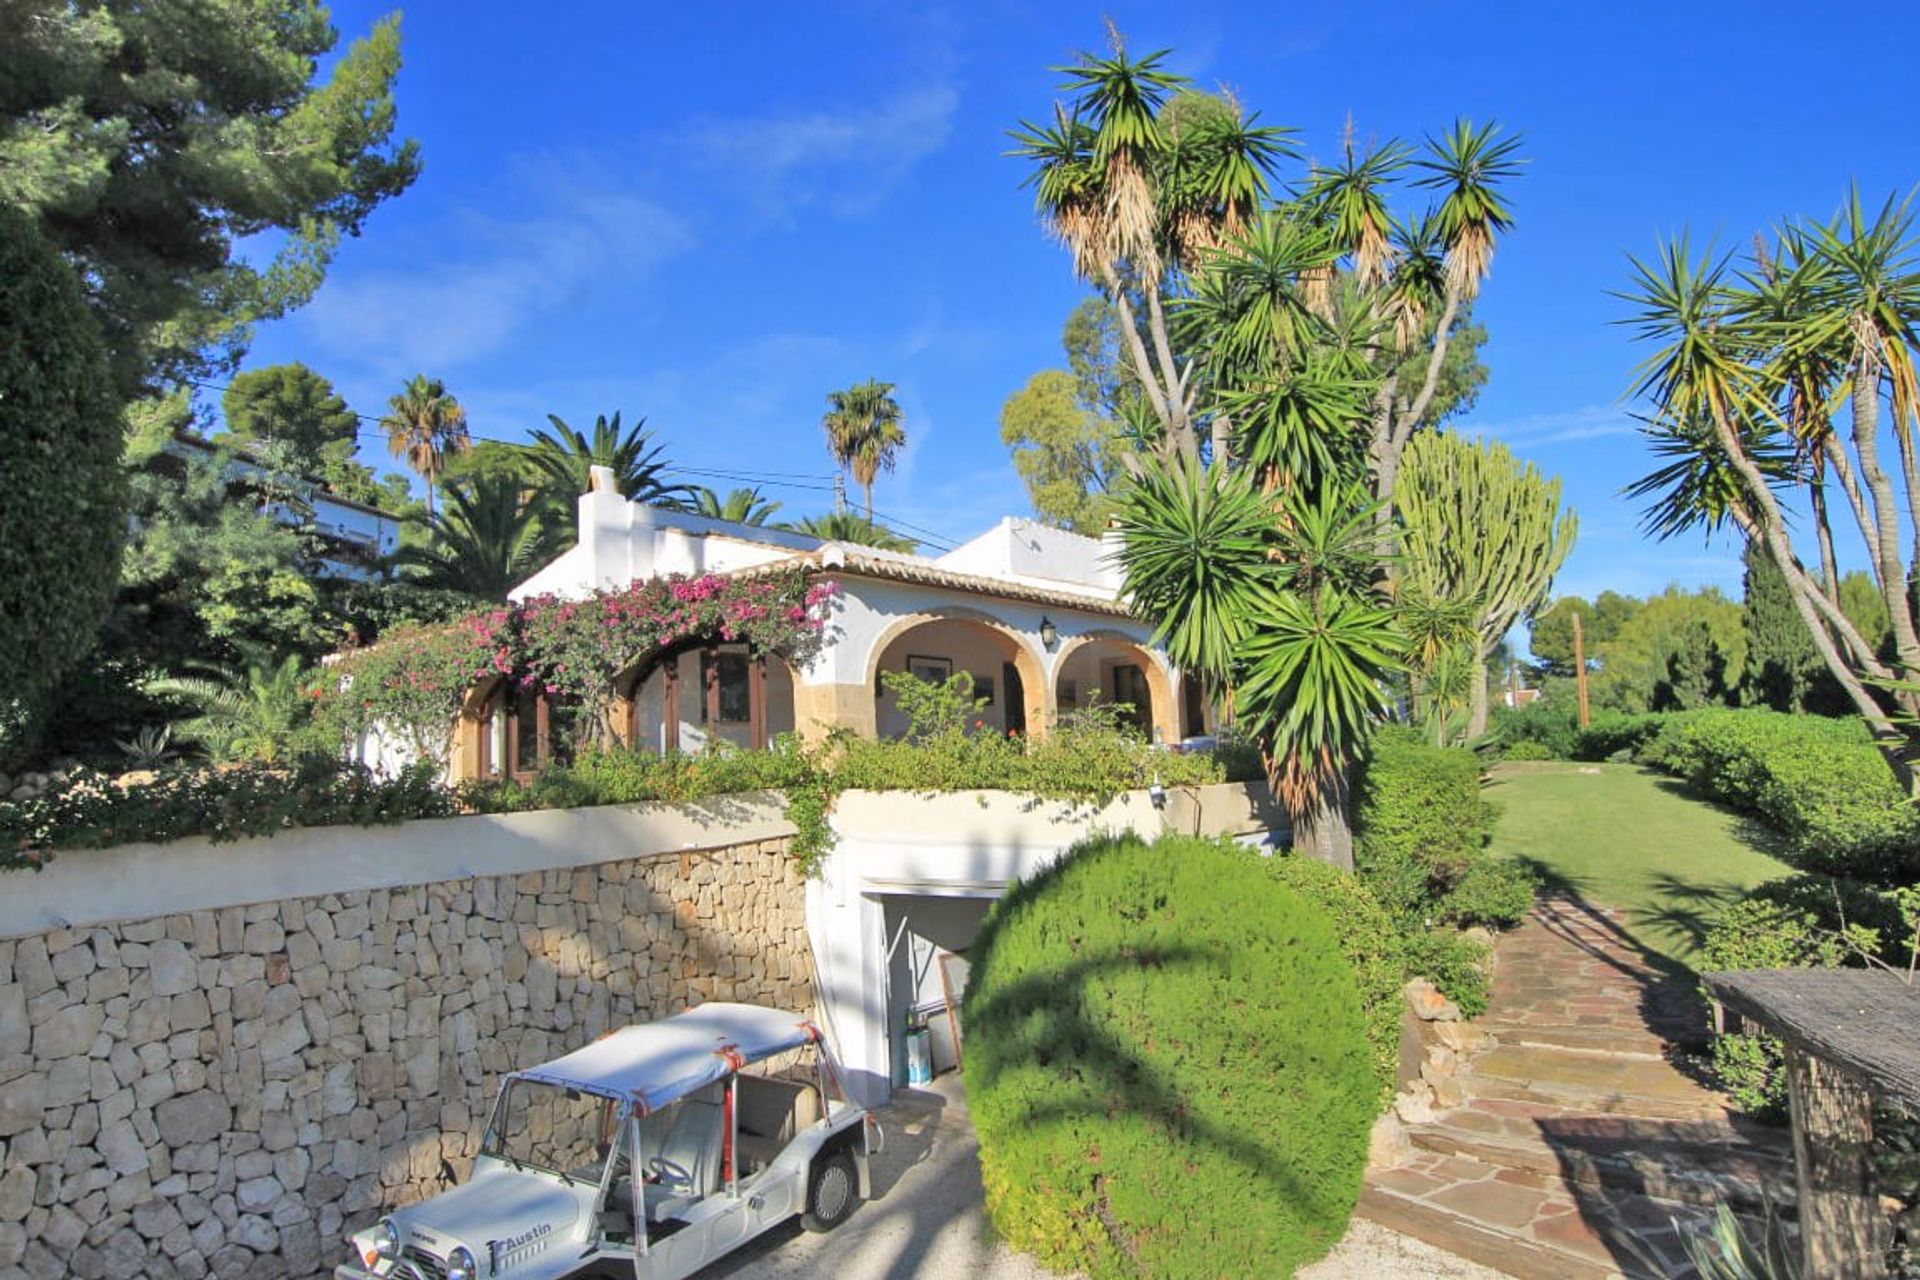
{"x":669,"y":1173}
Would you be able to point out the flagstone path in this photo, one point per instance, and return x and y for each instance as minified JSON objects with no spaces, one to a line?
{"x":1582,"y":1140}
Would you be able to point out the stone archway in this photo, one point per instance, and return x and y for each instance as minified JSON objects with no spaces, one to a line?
{"x":1114,"y":668}
{"x":963,"y":640}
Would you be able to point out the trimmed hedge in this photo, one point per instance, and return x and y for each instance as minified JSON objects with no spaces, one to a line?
{"x":1167,"y":1066}
{"x":1819,"y":782}
{"x":1421,"y":827}
{"x":1550,"y":722}
{"x":1617,"y":732}
{"x":1370,"y":941}
{"x":1418,"y":808}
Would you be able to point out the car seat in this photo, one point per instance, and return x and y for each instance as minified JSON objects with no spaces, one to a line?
{"x":692,"y":1144}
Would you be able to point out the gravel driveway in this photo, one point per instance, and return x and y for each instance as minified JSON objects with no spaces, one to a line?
{"x":926,"y":1221}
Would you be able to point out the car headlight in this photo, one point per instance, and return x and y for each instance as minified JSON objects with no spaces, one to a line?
{"x":461,"y":1266}
{"x":386,"y":1243}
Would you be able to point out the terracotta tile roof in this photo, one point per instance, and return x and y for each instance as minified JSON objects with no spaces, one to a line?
{"x":848,"y":561}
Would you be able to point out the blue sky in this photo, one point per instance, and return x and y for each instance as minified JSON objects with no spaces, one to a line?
{"x":713,"y":215}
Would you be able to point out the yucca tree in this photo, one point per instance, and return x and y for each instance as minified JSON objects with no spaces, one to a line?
{"x":741,"y":506}
{"x":491,"y":536}
{"x":1139,"y":181}
{"x":1481,"y":530}
{"x":1782,"y":379}
{"x":424,"y":423}
{"x":845,"y":526}
{"x":253,"y":711}
{"x":1280,"y":610}
{"x":865,"y":432}
{"x":1162,"y":197}
{"x":566,"y":456}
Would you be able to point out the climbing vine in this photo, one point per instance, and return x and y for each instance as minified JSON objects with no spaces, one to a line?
{"x":412,"y":684}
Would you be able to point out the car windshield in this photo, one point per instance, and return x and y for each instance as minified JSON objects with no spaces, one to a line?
{"x":549,"y":1127}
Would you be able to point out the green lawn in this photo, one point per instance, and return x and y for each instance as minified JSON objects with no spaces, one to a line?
{"x":1626,"y":837}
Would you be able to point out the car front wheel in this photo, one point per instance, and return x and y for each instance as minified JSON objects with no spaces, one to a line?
{"x":832,"y":1191}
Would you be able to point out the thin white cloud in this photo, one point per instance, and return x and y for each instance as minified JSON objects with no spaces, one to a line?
{"x":1591,"y":422}
{"x":846,"y":161}
{"x":443,"y":315}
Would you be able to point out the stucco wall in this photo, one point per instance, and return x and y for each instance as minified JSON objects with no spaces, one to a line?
{"x":225,"y":1089}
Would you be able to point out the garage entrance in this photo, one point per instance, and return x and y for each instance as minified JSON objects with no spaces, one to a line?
{"x":928,"y":937}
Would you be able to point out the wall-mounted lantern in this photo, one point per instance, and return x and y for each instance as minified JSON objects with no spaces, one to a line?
{"x":1049,"y":635}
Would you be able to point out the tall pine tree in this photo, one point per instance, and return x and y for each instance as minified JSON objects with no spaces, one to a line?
{"x":1782,"y":664}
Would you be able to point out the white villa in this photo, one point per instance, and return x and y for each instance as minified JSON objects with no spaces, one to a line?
{"x":1032,"y":612}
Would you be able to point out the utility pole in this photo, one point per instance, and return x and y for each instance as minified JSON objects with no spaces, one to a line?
{"x":1580,"y":668}
{"x":839,"y":492}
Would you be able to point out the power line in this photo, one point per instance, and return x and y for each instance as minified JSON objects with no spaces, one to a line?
{"x":800,"y":480}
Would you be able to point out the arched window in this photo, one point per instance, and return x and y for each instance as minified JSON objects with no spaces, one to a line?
{"x":522,"y":730}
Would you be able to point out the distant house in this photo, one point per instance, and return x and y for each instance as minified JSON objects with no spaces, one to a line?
{"x":355,"y":538}
{"x":1032,"y":612}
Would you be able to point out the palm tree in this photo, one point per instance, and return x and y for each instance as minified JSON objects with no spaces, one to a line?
{"x":424,"y":423}
{"x":864,"y":432}
{"x":251,"y":712}
{"x":844,"y":526}
{"x":741,"y":506}
{"x":567,"y":457}
{"x":490,"y":538}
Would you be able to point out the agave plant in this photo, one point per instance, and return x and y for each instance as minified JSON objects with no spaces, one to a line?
{"x":150,"y":748}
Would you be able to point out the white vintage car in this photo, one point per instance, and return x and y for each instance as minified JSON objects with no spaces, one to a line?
{"x":648,"y":1153}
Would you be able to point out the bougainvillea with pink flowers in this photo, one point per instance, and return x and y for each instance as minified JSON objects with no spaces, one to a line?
{"x":413,"y":683}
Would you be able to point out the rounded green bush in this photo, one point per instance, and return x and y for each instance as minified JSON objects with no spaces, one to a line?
{"x":1167,"y":1066}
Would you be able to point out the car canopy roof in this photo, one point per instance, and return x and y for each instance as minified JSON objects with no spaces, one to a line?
{"x":655,"y":1062}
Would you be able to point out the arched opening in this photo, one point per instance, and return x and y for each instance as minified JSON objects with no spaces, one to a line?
{"x":509,"y":729}
{"x":700,"y":694}
{"x":1112,"y":671}
{"x":1005,"y":673}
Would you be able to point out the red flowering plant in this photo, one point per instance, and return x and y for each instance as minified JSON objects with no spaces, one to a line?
{"x":413,"y":682}
{"x":576,"y":649}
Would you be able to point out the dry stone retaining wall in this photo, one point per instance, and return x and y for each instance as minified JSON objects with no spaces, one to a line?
{"x":224,"y":1092}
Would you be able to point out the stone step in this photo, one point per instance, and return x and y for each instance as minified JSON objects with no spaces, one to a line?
{"x":1589,"y":1083}
{"x":1477,"y":1241}
{"x":1610,"y":1040}
{"x":1530,"y":1226}
{"x":1666,"y":1160}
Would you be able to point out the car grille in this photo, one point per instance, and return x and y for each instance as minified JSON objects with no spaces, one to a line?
{"x":425,"y":1265}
